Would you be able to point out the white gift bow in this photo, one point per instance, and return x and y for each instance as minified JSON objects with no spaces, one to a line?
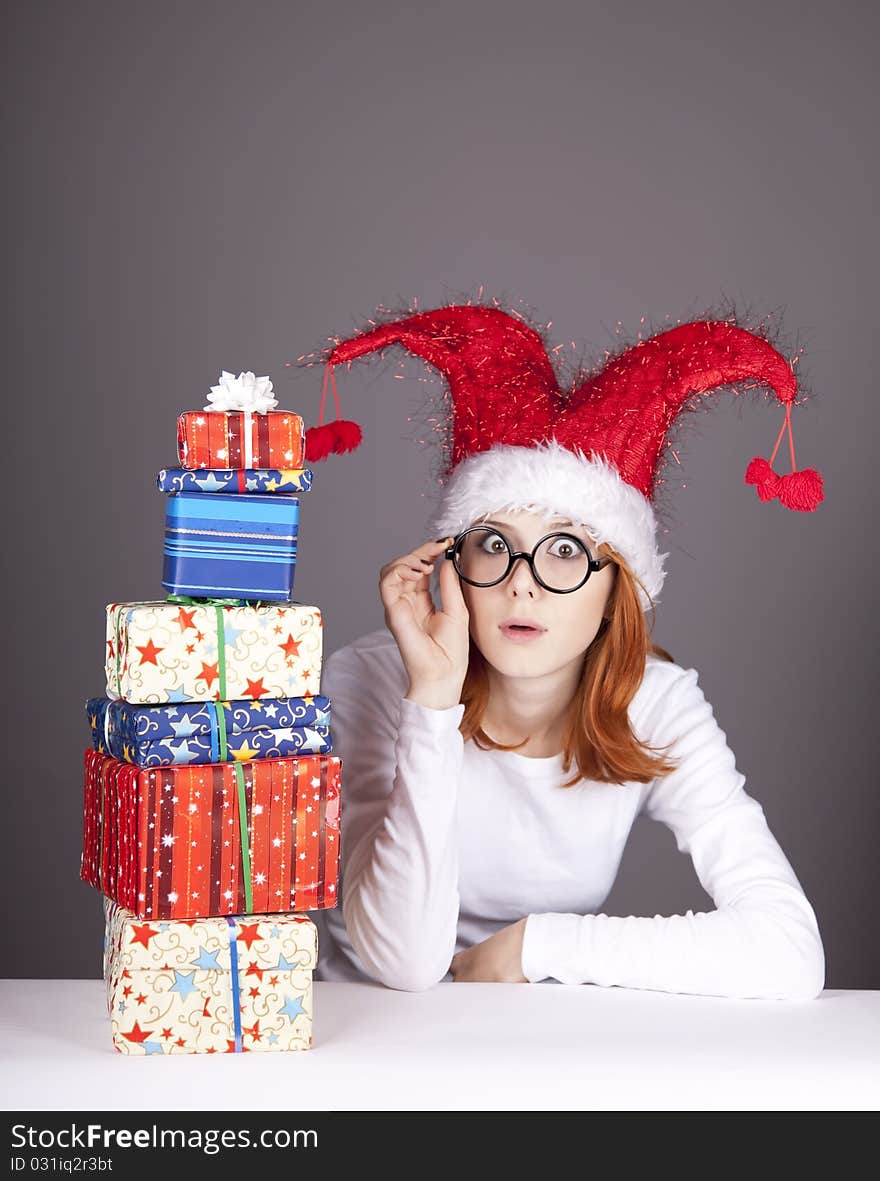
{"x":248,"y":393}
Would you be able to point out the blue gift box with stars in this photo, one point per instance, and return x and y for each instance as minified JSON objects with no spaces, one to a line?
{"x":250,"y":479}
{"x":211,"y":731}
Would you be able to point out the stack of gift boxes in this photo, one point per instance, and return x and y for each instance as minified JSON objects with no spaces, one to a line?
{"x":211,"y":809}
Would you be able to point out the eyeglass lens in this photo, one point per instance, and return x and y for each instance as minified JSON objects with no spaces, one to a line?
{"x":483,"y":556}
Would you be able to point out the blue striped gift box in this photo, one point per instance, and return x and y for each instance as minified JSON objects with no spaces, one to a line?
{"x":230,"y":545}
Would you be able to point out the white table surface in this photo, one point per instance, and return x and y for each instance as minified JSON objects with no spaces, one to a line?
{"x":463,"y":1047}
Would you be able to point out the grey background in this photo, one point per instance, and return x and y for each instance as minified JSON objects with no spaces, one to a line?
{"x":214,"y":185}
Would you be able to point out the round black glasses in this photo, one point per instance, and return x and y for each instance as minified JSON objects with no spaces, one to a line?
{"x":559,"y":562}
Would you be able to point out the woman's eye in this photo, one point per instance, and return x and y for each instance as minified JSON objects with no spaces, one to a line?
{"x":564,"y":549}
{"x":494,"y":544}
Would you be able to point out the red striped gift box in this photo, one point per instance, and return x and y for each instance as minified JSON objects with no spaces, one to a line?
{"x":217,"y":839}
{"x":240,"y":439}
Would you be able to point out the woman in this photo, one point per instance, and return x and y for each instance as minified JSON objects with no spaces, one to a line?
{"x":497,"y":749}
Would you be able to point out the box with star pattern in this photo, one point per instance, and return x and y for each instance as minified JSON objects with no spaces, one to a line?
{"x":178,"y":479}
{"x":210,"y":731}
{"x":220,"y":839}
{"x":162,"y":652}
{"x":209,"y":985}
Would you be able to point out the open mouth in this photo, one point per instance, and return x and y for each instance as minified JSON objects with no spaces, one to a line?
{"x":521,"y":631}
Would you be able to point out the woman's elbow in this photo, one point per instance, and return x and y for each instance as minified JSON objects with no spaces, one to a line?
{"x":398,"y":967}
{"x":397,"y":959}
{"x":787,"y":954}
{"x":805,"y":981}
{"x":800,"y":975}
{"x":408,"y":979}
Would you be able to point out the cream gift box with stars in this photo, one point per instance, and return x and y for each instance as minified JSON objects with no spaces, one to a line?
{"x":160,"y":651}
{"x":211,"y":985}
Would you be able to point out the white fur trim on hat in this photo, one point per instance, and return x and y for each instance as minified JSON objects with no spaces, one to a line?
{"x":553,"y":479}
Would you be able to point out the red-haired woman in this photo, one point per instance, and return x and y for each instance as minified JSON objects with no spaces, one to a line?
{"x":498,"y":747}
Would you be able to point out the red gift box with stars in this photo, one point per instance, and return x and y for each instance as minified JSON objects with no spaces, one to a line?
{"x":239,"y":439}
{"x":217,"y":839}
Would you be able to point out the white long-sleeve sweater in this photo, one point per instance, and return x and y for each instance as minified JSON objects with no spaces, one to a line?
{"x":442,"y":844}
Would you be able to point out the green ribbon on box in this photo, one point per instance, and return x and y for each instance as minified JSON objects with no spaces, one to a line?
{"x":118,"y":665}
{"x":221,"y":650}
{"x":245,"y":837}
{"x":219,"y":716}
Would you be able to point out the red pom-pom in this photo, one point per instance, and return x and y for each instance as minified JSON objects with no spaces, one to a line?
{"x":760,"y":472}
{"x":319,"y":442}
{"x":801,"y":491}
{"x":348,"y":435}
{"x":333,"y":438}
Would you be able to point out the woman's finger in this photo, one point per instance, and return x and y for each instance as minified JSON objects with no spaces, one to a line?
{"x":404,"y":588}
{"x":418,"y":565}
{"x":429,"y":550}
{"x":392,"y":572}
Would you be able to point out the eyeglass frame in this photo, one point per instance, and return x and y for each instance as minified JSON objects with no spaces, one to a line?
{"x":594,"y":565}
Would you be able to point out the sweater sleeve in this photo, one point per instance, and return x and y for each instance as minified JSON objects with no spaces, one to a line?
{"x":762,"y":940}
{"x":401,"y":766}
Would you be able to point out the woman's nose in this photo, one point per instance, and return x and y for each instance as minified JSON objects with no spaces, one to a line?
{"x":520,"y":580}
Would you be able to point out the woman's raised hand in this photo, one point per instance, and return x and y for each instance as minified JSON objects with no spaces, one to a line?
{"x":434,"y":643}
